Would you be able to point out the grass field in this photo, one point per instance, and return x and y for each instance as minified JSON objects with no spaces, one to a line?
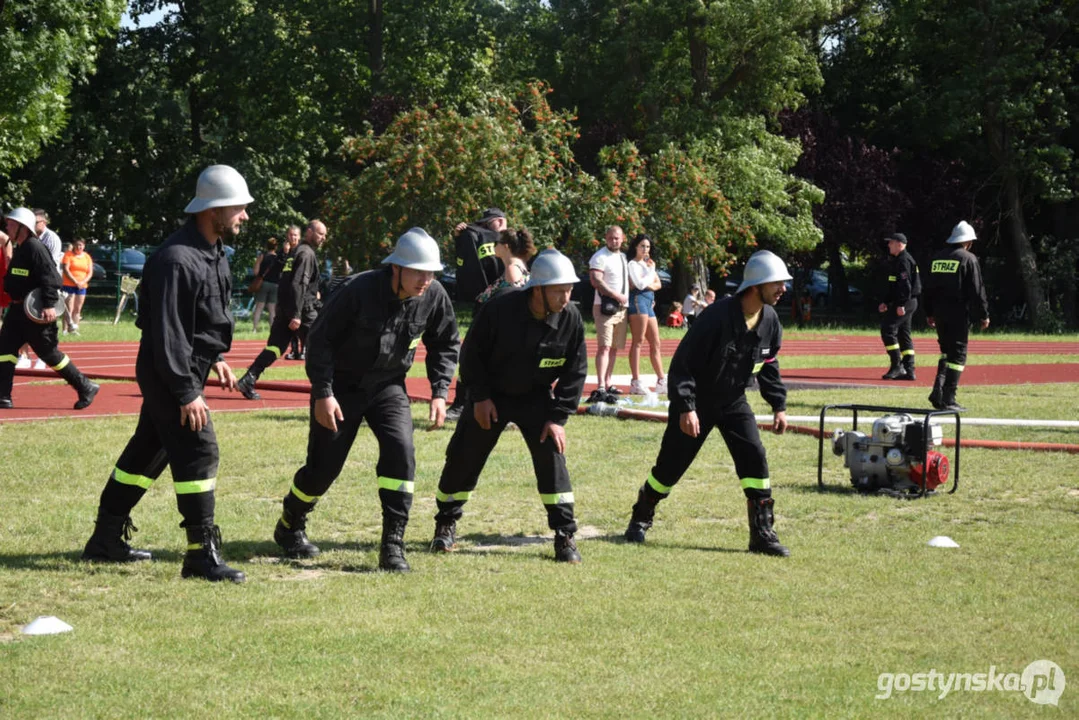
{"x":688,"y":625}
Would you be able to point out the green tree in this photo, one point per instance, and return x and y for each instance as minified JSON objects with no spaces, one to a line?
{"x":45,"y":46}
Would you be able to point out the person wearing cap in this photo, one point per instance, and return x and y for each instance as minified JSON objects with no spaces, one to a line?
{"x":525,"y":362}
{"x":899,"y":300}
{"x":296,"y":306}
{"x":187,"y":326}
{"x":736,"y":338}
{"x":954,"y":297}
{"x":358,"y":353}
{"x":478,"y":268}
{"x":31,"y":268}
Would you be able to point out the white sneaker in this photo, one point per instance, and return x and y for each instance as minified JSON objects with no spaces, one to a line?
{"x":24,"y":363}
{"x":635,"y":388}
{"x":661,"y":387}
{"x":40,"y":365}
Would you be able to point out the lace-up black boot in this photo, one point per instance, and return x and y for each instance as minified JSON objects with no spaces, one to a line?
{"x":108,"y":543}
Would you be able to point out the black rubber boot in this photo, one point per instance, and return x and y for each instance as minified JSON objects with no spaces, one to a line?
{"x":908,"y":368}
{"x":644,"y":511}
{"x":951,"y":384}
{"x":896,"y":369}
{"x":762,"y":538}
{"x":203,"y":558}
{"x":391,"y":555}
{"x":109,"y":540}
{"x":246,"y":386}
{"x":445,"y":536}
{"x":565,"y":548}
{"x":936,"y":397}
{"x":291,"y":535}
{"x":86,"y":388}
{"x":5,"y":403}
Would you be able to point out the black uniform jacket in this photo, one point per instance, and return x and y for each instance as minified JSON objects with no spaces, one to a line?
{"x":903,"y":282}
{"x":718,"y":355}
{"x":954,"y":286}
{"x":477,"y":265}
{"x":32,"y":267}
{"x":184,"y":310}
{"x":365,"y":337}
{"x":510,"y":352}
{"x":298,"y":290}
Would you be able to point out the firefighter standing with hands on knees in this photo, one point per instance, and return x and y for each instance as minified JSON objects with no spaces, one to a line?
{"x":186,"y":323}
{"x":523,"y":343}
{"x":954,"y":296}
{"x":897,"y":306}
{"x":32,"y":268}
{"x":727,"y":343}
{"x":358,"y":354}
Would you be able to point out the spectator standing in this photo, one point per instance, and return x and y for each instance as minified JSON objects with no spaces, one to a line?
{"x":186,"y":328}
{"x":608,"y":272}
{"x":78,"y":269}
{"x":269,"y":270}
{"x":692,"y":304}
{"x":644,"y":281}
{"x":48,"y":238}
{"x":954,"y":296}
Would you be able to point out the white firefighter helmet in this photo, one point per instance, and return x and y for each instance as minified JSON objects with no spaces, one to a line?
{"x":416,"y":250}
{"x":24,"y":217}
{"x":551,"y":268}
{"x":219,"y":186}
{"x":763,"y":267}
{"x":962,"y":233}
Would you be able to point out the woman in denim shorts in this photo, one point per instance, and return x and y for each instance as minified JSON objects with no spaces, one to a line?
{"x":643,"y":283}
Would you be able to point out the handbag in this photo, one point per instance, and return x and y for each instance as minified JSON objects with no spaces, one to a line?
{"x":609,"y":306}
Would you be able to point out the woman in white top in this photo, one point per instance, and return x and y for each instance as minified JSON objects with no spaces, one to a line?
{"x":643,"y":283}
{"x":693,"y":304}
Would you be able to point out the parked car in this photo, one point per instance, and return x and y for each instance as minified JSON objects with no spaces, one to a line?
{"x":108,"y":267}
{"x":821,"y":290}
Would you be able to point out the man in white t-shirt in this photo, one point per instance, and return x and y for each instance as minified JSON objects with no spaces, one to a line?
{"x":609,"y":272}
{"x":48,"y":238}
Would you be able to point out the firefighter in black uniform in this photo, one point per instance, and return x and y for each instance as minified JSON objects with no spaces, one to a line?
{"x":954,"y":296}
{"x":297,"y":306}
{"x":358,"y":354}
{"x":186,"y":328}
{"x":518,"y":347}
{"x":477,"y":268}
{"x":897,"y":306}
{"x":728,"y":342}
{"x":32,"y":268}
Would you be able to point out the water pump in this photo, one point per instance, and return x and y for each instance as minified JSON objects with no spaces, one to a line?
{"x":889,"y":459}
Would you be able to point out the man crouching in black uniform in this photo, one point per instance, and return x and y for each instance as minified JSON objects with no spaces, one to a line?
{"x":32,"y":268}
{"x":358,"y":353}
{"x":186,"y":328}
{"x":520,"y":345}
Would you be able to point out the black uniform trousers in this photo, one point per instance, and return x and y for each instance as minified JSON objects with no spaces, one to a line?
{"x":19,"y":330}
{"x":160,"y":440}
{"x":738,"y":426}
{"x":386,"y":409}
{"x":278,"y":342}
{"x":953,"y":332}
{"x":895,"y":329}
{"x":471,"y":445}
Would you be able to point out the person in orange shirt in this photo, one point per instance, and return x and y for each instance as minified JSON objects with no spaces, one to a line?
{"x":77,"y":268}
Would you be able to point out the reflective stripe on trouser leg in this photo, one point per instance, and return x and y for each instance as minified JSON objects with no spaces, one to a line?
{"x":62,"y":364}
{"x":658,"y":486}
{"x":738,"y":427}
{"x":908,"y":353}
{"x":894,"y":346}
{"x":9,"y":359}
{"x":390,"y":417}
{"x":466,"y":454}
{"x":127,"y":478}
{"x":676,"y":452}
{"x":954,"y":366}
{"x":396,"y":497}
{"x":756,"y":483}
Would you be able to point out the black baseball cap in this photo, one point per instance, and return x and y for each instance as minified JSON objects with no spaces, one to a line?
{"x":900,"y":237}
{"x":491,"y":213}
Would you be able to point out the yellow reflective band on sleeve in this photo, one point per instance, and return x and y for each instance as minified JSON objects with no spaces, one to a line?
{"x":565,"y":498}
{"x":62,"y":364}
{"x":757,"y":367}
{"x":955,"y":366}
{"x":414,"y":344}
{"x":193,"y":487}
{"x":302,"y":495}
{"x":8,"y":358}
{"x":401,"y":486}
{"x":891,"y":278}
{"x":126,"y":478}
{"x":658,"y":486}
{"x":889,"y":348}
{"x":909,"y":353}
{"x":756,"y":483}
{"x":275,"y":351}
{"x":485,"y":250}
{"x":453,"y":497}
{"x":21,"y":272}
{"x":552,"y":362}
